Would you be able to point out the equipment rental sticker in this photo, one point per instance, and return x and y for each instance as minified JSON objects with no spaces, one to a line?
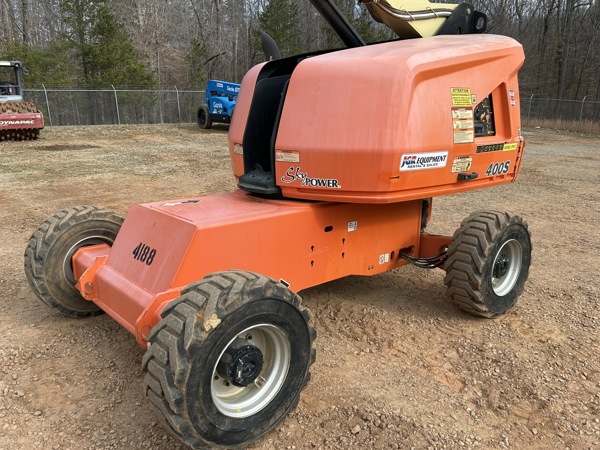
{"x":420,"y":161}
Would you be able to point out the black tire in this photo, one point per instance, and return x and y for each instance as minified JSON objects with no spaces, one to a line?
{"x":199,"y":391}
{"x":488,"y":263}
{"x":204,"y":121}
{"x":48,"y":255}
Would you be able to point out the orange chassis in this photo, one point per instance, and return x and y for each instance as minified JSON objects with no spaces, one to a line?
{"x":306,"y":244}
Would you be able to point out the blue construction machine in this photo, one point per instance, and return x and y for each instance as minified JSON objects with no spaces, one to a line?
{"x":220,"y":101}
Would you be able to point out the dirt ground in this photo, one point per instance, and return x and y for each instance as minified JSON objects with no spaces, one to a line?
{"x":397,"y":365}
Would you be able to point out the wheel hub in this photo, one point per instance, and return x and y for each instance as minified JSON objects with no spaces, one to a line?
{"x":241,"y":365}
{"x":501,"y":266}
{"x":507,"y":267}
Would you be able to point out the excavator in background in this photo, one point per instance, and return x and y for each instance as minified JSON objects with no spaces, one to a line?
{"x":337,"y":155}
{"x":19,"y":120}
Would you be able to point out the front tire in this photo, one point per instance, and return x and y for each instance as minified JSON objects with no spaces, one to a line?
{"x":48,"y":255}
{"x":488,"y":263}
{"x":228,"y":360}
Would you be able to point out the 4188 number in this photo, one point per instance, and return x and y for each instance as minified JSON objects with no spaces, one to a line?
{"x":144,"y":253}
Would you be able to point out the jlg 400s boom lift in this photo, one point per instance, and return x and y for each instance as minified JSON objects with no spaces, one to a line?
{"x":337,"y":156}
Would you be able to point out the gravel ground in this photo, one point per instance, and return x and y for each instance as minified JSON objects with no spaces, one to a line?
{"x":397,"y":365}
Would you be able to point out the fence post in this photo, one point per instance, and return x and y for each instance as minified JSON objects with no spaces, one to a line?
{"x":117,"y":105}
{"x":47,"y":105}
{"x":581,"y":111}
{"x":178,"y":105}
{"x":529,"y":110}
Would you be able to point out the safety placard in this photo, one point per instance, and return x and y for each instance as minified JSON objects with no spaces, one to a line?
{"x":462,"y":163}
{"x":461,"y":96}
{"x":463,"y":125}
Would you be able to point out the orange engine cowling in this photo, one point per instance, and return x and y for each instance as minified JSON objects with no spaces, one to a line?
{"x":383,"y":123}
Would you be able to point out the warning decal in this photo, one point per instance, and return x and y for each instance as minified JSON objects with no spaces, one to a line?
{"x":461,"y":96}
{"x":509,"y":147}
{"x":462,"y":163}
{"x":462,"y":124}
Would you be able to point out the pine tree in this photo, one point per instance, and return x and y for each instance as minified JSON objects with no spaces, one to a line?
{"x":112,"y":57}
{"x":280,"y":20}
{"x":105,"y":52}
{"x":46,"y":66}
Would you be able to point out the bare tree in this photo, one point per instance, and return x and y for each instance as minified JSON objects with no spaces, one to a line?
{"x":184,"y":42}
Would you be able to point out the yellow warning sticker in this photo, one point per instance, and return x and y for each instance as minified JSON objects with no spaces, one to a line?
{"x":461,"y":96}
{"x":462,"y":163}
{"x":509,"y":147}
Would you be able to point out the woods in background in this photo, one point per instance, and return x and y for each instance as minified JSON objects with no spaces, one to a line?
{"x":145,"y":43}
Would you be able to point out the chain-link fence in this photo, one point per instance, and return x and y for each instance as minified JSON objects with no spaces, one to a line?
{"x":115,"y":106}
{"x":128,"y":106}
{"x":539,"y":108}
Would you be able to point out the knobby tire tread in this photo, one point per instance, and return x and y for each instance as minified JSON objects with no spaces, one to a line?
{"x":201,"y":307}
{"x":468,"y":253}
{"x":44,"y":237}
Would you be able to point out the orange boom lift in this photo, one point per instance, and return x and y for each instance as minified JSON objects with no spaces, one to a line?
{"x":337,"y":156}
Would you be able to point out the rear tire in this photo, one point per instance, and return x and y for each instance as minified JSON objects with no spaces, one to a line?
{"x":48,"y":255}
{"x":204,"y":121}
{"x":488,"y":263}
{"x":228,"y":360}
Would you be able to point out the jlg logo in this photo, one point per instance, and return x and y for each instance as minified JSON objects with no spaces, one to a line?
{"x":408,"y":160}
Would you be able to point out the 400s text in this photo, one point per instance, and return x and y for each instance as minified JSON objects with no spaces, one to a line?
{"x":144,"y":253}
{"x":498,"y":168}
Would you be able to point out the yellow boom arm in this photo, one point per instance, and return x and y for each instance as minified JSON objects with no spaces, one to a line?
{"x":420,"y":18}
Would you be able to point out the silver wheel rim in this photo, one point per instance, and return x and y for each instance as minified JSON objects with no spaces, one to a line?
{"x":507,"y":267}
{"x":240,"y":402}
